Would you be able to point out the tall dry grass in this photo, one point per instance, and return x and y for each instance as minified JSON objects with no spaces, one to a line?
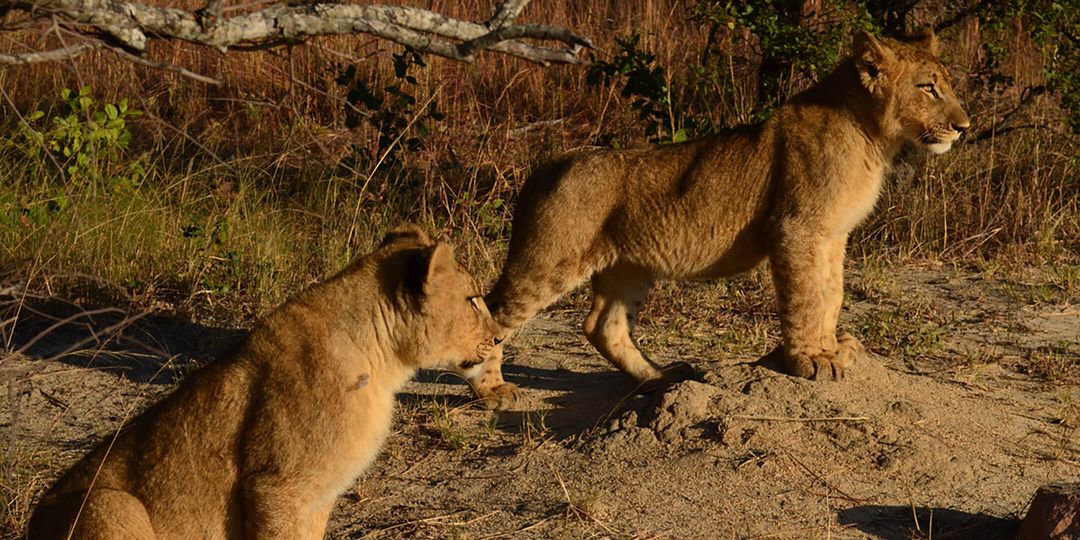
{"x":264,"y":157}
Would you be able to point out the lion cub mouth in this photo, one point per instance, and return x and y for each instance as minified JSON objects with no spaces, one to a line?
{"x":937,"y":142}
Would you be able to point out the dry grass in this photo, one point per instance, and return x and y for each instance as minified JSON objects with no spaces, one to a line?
{"x":265,"y":160}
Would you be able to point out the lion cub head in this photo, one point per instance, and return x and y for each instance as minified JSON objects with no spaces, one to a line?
{"x":445,"y":322}
{"x":913,"y":86}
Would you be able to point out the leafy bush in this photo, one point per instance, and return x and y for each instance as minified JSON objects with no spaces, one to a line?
{"x":648,"y":88}
{"x":789,"y":48}
{"x":85,"y":145}
{"x":392,"y":110}
{"x":792,"y":48}
{"x":88,"y":142}
{"x":1055,"y":28}
{"x":792,"y":45}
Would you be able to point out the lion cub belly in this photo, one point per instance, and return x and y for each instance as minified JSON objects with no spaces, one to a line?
{"x":702,"y":250}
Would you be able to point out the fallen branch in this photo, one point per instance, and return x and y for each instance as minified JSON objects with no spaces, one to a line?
{"x":132,"y":25}
{"x":803,"y":419}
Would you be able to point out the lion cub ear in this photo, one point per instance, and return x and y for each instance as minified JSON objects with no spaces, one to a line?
{"x":406,"y":232}
{"x":872,"y":58}
{"x":927,"y":40}
{"x":441,"y":265}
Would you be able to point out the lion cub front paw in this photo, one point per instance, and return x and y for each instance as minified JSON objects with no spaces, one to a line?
{"x":820,"y":365}
{"x":849,"y":344}
{"x":670,"y":374}
{"x":499,"y":397}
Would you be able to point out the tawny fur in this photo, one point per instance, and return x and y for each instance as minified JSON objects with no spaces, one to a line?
{"x":260,"y":443}
{"x":790,"y":190}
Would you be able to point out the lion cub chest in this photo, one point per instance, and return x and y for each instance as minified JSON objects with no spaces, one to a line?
{"x":857,"y":199}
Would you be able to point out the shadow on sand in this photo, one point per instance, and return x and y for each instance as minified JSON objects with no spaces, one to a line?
{"x":906,"y":522}
{"x":162,"y":349}
{"x":147,"y":348}
{"x":585,"y":399}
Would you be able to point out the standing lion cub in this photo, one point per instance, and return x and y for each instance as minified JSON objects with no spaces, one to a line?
{"x":789,"y":189}
{"x":259,"y":444}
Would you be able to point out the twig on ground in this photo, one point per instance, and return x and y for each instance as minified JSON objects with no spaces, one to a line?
{"x":802,"y":419}
{"x":421,"y":521}
{"x":823,"y":481}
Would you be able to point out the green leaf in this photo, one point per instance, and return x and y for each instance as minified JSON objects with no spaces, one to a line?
{"x":110,"y":111}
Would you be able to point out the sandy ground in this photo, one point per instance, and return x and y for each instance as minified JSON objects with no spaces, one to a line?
{"x":945,"y":432}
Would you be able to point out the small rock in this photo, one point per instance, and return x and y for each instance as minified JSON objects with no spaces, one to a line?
{"x":1054,"y":514}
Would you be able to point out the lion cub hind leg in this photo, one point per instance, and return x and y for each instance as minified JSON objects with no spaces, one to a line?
{"x":619,"y":292}
{"x":106,"y":514}
{"x":272,"y":509}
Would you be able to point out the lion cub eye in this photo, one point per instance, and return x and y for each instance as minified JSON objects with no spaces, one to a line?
{"x":474,"y":301}
{"x":929,"y":89}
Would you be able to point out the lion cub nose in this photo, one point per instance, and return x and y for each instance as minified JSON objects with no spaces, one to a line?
{"x":962,"y":124}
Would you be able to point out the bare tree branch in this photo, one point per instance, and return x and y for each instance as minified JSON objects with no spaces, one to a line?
{"x":505,"y":13}
{"x":48,"y":56}
{"x":165,"y":66}
{"x":507,"y":33}
{"x":133,"y":24}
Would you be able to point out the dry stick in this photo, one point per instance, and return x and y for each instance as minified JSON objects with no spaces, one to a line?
{"x":516,"y":532}
{"x":421,"y":521}
{"x":574,"y":508}
{"x":476,"y":519}
{"x":824,"y":482}
{"x":164,"y":66}
{"x":184,"y":134}
{"x":20,"y":303}
{"x":62,"y":322}
{"x":127,"y":321}
{"x":802,"y":419}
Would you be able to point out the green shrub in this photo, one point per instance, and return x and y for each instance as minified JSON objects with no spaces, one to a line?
{"x":87,"y":142}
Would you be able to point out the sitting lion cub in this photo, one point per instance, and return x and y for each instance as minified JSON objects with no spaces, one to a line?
{"x":789,"y":189}
{"x":260,"y":443}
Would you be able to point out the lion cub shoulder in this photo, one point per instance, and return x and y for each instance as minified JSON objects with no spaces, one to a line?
{"x":261,"y":442}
